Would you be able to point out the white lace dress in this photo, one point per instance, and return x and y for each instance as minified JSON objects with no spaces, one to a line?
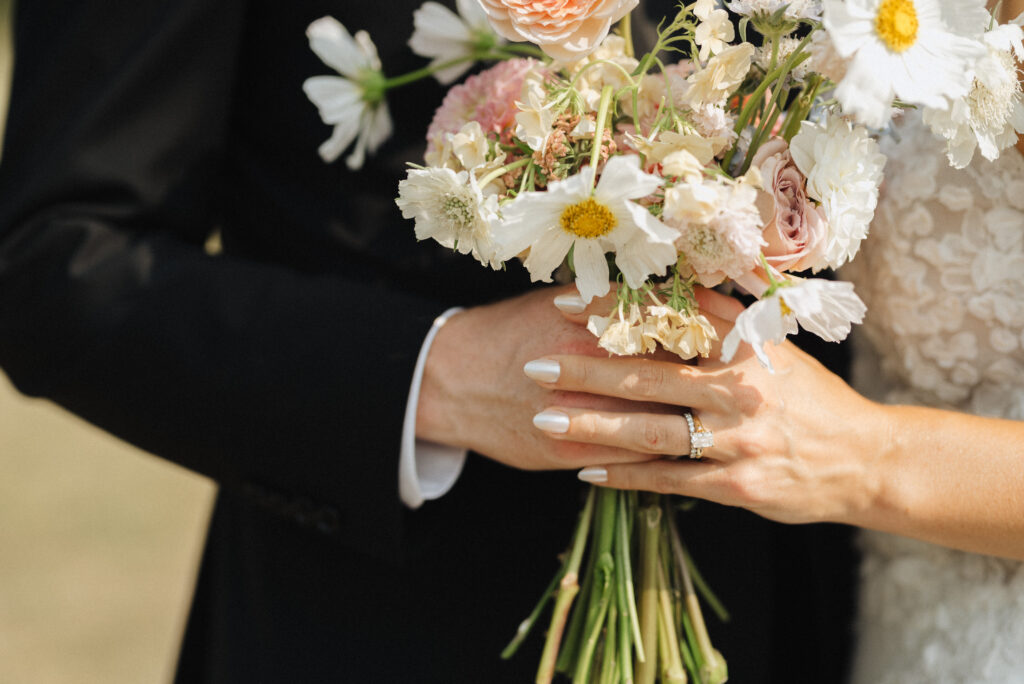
{"x":943,"y":277}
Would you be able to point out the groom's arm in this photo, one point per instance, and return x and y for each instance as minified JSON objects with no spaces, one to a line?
{"x":262,"y":377}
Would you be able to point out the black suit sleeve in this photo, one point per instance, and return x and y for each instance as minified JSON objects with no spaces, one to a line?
{"x":244,"y":370}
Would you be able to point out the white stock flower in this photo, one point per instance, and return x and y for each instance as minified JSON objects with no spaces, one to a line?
{"x":793,"y":10}
{"x":843,"y":167}
{"x":568,"y":215}
{"x":450,"y":208}
{"x":991,"y":115}
{"x":355,"y":104}
{"x":621,"y":334}
{"x":826,"y":308}
{"x":536,"y":117}
{"x":720,"y":76}
{"x":920,"y":51}
{"x":445,"y":36}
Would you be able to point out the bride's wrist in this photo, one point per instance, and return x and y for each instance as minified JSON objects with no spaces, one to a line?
{"x":877,"y":485}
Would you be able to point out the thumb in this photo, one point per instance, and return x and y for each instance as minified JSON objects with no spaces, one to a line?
{"x":572,"y":306}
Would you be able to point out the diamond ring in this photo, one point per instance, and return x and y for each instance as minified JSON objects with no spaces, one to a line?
{"x":700,"y":437}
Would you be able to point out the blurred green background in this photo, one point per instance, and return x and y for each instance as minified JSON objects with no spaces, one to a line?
{"x":99,"y":542}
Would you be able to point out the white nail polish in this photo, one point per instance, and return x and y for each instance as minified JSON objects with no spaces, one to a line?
{"x":552,"y":421}
{"x":594,"y":474}
{"x":570,"y":303}
{"x":543,"y":370}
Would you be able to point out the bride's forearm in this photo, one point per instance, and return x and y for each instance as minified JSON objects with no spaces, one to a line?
{"x":949,"y":478}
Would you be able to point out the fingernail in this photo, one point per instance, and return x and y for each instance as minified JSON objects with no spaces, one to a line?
{"x":595,"y":474}
{"x":543,"y":370}
{"x":570,"y":303}
{"x":552,"y":421}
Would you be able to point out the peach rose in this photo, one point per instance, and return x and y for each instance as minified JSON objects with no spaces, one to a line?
{"x":795,"y":228}
{"x":565,"y":29}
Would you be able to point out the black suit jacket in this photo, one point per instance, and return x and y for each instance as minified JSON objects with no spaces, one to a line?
{"x":280,"y":368}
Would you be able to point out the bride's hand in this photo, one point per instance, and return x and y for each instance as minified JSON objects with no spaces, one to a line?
{"x":794,"y":446}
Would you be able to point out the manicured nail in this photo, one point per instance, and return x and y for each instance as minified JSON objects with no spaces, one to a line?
{"x":594,"y":474}
{"x":570,"y":303}
{"x":543,"y":370}
{"x":552,"y":421}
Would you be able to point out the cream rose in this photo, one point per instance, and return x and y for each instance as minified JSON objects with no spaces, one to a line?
{"x":565,"y":29}
{"x":795,"y":228}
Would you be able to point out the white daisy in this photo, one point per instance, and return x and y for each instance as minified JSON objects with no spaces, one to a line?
{"x":569,"y":215}
{"x":843,"y":167}
{"x":355,"y":104}
{"x":920,"y":51}
{"x":824,"y":307}
{"x":991,"y":115}
{"x":446,"y":36}
{"x":450,"y":208}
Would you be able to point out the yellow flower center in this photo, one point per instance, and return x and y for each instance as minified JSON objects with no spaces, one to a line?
{"x":896,"y":24}
{"x":786,"y":311}
{"x":588,"y":219}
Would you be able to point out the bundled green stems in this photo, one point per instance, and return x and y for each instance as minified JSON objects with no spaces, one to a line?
{"x":604,"y":629}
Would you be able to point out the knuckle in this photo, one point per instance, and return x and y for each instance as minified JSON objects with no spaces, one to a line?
{"x":647,"y":381}
{"x":653,"y":436}
{"x":745,"y":486}
{"x":663,"y":483}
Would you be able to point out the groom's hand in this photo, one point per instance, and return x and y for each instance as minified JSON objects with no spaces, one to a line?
{"x":475,"y":395}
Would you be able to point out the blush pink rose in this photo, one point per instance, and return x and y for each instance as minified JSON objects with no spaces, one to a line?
{"x":795,"y":228}
{"x":565,"y":29}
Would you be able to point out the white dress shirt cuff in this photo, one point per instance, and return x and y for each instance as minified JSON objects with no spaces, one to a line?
{"x":426,"y":470}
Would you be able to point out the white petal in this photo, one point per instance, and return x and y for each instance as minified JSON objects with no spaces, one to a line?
{"x":524,"y":221}
{"x":623,"y":179}
{"x":342,"y":136}
{"x":334,"y":45}
{"x":337,"y":99}
{"x":547,"y":254}
{"x":591,"y":268}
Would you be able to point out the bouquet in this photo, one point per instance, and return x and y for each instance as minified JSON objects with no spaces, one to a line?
{"x":737,"y":151}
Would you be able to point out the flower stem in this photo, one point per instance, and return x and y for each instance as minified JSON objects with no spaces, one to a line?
{"x":673,"y":667}
{"x":607,"y":503}
{"x":753,"y":102}
{"x":650,"y":517}
{"x":712,"y":664}
{"x":602,"y":115}
{"x":622,"y":551}
{"x":626,"y":31}
{"x":567,"y":590}
{"x":527,"y":625}
{"x":501,"y":171}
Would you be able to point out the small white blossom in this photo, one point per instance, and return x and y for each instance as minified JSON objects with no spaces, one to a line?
{"x":445,"y":36}
{"x":720,"y":76}
{"x":450,"y":208}
{"x":715,"y":30}
{"x":355,"y":104}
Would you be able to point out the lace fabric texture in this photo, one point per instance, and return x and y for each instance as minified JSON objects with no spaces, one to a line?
{"x":942,"y":274}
